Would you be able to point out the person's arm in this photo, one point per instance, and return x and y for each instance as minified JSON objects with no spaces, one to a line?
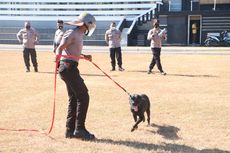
{"x":55,"y":35}
{"x":64,"y":44}
{"x":165,"y":36}
{"x":150,"y":35}
{"x":19,"y":36}
{"x":36,"y":37}
{"x":119,"y":35}
{"x":57,"y":39}
{"x":162,"y":34}
{"x":106,"y":38}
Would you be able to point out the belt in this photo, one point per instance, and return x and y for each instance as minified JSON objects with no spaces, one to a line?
{"x":71,"y":62}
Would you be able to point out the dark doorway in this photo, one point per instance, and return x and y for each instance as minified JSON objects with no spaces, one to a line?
{"x":194,"y":30}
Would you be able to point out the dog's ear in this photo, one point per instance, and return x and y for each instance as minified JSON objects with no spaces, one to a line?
{"x":132,"y":97}
{"x":131,"y":100}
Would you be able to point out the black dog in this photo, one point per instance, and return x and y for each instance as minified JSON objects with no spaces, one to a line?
{"x":139,"y":105}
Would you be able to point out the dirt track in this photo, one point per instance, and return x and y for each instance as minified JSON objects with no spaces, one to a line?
{"x":190,"y":105}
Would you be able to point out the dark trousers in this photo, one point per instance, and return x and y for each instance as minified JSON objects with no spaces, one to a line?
{"x":27,"y":53}
{"x":116,"y":53}
{"x":77,"y":93}
{"x":55,"y":47}
{"x":156,"y":59}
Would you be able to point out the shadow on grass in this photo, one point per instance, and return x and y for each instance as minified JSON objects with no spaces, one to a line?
{"x":167,"y":131}
{"x":182,"y":75}
{"x":46,"y":72}
{"x":191,"y":75}
{"x":140,"y":71}
{"x":101,"y":75}
{"x":168,"y":147}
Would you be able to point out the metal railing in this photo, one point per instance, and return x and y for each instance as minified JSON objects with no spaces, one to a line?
{"x":140,"y":17}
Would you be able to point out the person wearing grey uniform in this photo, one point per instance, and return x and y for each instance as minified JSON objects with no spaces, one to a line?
{"x":113,"y":39}
{"x":58,"y":34}
{"x":28,"y":36}
{"x":156,"y":36}
{"x":71,"y":45}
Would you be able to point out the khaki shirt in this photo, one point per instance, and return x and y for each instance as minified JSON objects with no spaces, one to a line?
{"x":58,"y":36}
{"x":74,"y":40}
{"x":29,"y":38}
{"x":113,"y":38}
{"x":155,"y":38}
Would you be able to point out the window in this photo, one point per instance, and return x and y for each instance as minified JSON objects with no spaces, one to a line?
{"x":175,"y":5}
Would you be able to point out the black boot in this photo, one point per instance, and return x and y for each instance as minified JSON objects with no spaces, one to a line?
{"x":149,"y":71}
{"x":35,"y":69}
{"x":83,"y":134}
{"x":121,"y":69}
{"x":69,"y":134}
{"x":113,"y":69}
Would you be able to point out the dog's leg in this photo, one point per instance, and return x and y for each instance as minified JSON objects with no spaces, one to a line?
{"x":135,"y":126}
{"x":148,"y":115}
{"x":134,"y":117}
{"x":135,"y":120}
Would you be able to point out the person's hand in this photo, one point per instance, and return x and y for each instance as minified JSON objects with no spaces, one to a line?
{"x":36,"y":42}
{"x":88,"y":57}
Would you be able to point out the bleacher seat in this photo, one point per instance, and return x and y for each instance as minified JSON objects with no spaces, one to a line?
{"x":43,"y":15}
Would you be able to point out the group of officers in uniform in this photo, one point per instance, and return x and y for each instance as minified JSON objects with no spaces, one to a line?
{"x":70,"y":43}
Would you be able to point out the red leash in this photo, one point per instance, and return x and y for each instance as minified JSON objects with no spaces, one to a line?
{"x":110,"y":78}
{"x":55,"y":87}
{"x":76,"y":57}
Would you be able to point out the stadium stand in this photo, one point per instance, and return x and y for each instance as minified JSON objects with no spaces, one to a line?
{"x":128,"y":14}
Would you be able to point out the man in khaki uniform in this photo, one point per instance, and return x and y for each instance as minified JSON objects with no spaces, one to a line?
{"x":194,"y":32}
{"x":156,"y":35}
{"x":72,"y":44}
{"x":58,"y":34}
{"x":29,"y":38}
{"x":113,"y":39}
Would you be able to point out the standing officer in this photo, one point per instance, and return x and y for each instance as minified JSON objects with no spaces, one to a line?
{"x":194,"y":32}
{"x":29,"y":38}
{"x":113,"y":39}
{"x":156,"y":35}
{"x":58,"y":34}
{"x":72,"y":44}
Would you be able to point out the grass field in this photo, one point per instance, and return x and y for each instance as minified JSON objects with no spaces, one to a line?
{"x":189,"y":106}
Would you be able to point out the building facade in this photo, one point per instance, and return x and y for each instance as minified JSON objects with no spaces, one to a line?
{"x":188,"y":22}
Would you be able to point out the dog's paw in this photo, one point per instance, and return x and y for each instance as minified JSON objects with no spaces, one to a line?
{"x":134,"y":128}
